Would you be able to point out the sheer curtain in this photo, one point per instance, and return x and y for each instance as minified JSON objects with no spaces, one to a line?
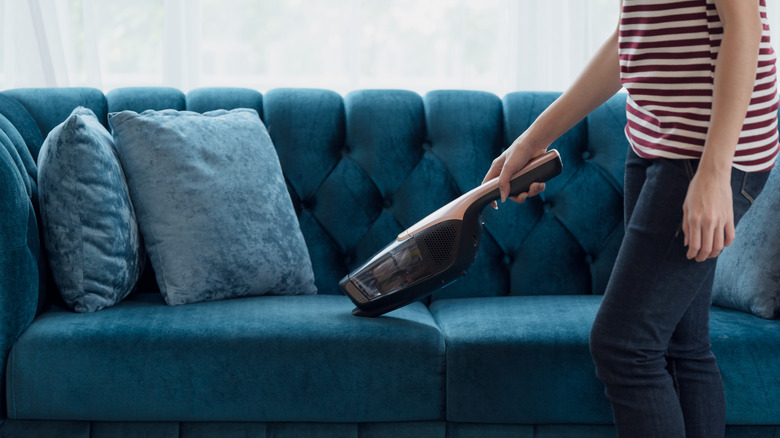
{"x":493,"y":45}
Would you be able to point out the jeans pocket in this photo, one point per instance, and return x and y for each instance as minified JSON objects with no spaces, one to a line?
{"x":752,"y":185}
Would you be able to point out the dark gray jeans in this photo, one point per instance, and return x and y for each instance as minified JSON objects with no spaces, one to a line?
{"x":650,"y":340}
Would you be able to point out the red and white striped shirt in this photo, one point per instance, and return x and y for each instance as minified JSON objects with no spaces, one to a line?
{"x":668,"y":53}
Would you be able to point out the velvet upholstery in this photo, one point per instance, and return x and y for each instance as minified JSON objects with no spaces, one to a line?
{"x":89,"y":224}
{"x":23,"y":123}
{"x":748,"y":351}
{"x":747,"y":276}
{"x":212,"y":205}
{"x":58,"y":103}
{"x":282,"y":358}
{"x":310,"y":124}
{"x":22,"y":140}
{"x":14,"y":143}
{"x":20,"y":261}
{"x":501,"y":352}
{"x":140,"y":99}
{"x":489,"y":342}
{"x":447,"y":141}
{"x":578,"y":220}
{"x":202,"y":100}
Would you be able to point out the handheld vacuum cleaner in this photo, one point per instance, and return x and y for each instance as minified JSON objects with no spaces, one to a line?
{"x":437,"y":250}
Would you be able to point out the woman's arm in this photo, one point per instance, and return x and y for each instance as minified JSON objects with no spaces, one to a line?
{"x":598,"y":82}
{"x":708,"y":217}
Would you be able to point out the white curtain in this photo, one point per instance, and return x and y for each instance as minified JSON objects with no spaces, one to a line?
{"x":492,"y":45}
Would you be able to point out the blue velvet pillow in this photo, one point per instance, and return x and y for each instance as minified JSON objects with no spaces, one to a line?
{"x":212,"y":204}
{"x":747,"y":276}
{"x":89,"y":226}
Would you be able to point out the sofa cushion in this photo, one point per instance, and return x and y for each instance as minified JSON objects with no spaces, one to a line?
{"x":578,"y":219}
{"x":307,"y":127}
{"x":89,"y":224}
{"x":747,"y":276}
{"x":12,"y":140}
{"x":522,"y":359}
{"x":748,"y":351}
{"x":20,"y":261}
{"x":50,"y":106}
{"x":526,"y":360}
{"x":212,"y":205}
{"x":202,"y":100}
{"x":140,"y":99}
{"x":23,"y":122}
{"x":271,"y":358}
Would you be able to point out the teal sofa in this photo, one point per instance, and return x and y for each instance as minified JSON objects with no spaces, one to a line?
{"x":501,"y":352}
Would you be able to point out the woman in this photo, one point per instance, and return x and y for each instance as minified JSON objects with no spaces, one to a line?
{"x":702,"y":125}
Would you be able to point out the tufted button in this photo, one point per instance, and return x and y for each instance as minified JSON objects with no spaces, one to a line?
{"x":345,"y":151}
{"x":348,"y":259}
{"x":307,"y":204}
{"x":427,"y":146}
{"x":589,"y":259}
{"x":507,"y":260}
{"x":548,"y":206}
{"x":586,"y":155}
{"x":387,"y":203}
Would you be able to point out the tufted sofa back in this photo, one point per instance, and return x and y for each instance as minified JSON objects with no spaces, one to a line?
{"x":363,"y":167}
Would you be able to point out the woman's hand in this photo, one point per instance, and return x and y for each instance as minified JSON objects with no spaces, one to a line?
{"x":708,"y":215}
{"x":510,"y":162}
{"x":708,"y":212}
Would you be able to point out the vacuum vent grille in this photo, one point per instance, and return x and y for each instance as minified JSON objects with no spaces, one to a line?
{"x":440,"y":241}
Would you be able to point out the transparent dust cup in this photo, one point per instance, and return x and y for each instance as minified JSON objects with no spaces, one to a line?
{"x":397,"y":267}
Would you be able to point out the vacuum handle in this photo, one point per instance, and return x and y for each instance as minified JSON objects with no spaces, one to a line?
{"x":540,"y":169}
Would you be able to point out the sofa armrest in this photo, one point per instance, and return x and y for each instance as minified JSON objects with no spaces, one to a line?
{"x":19,"y":261}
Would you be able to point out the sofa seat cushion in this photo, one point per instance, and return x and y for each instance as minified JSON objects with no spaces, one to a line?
{"x":270,"y":358}
{"x":521,"y":359}
{"x":526,"y":359}
{"x":748,"y":352}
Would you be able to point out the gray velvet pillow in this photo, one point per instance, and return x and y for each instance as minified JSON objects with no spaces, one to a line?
{"x":747,"y":276}
{"x":89,"y":226}
{"x":212,"y":204}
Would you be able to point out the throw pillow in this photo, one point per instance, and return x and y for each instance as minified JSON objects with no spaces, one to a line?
{"x":212,"y":204}
{"x":89,"y":226}
{"x":747,"y":276}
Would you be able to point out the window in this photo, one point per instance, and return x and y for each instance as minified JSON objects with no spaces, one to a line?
{"x":493,"y":45}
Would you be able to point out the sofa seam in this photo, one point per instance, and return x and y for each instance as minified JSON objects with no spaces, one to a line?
{"x":12,"y":383}
{"x":445,"y":366}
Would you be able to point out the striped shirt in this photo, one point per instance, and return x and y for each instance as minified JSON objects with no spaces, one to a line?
{"x":668,"y":51}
